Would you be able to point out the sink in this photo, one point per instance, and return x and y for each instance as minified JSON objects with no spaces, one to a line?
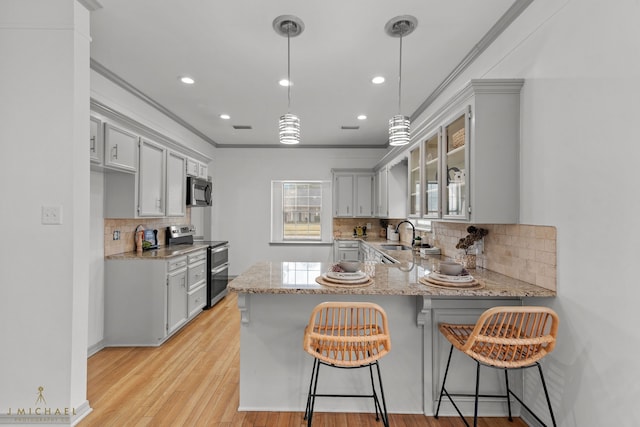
{"x":396,"y":247}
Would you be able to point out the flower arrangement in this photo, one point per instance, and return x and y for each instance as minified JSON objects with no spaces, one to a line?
{"x":475,"y":234}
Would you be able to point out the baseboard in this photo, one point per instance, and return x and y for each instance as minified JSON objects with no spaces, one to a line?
{"x":46,"y":416}
{"x":93,"y":349}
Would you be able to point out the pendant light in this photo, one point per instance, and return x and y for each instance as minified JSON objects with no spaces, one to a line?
{"x":289,"y":124}
{"x":399,"y":125}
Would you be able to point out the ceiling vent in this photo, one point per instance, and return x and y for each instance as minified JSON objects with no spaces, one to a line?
{"x":242,"y":127}
{"x":350,"y":127}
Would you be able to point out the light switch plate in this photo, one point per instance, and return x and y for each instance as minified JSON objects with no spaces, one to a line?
{"x":51,"y":215}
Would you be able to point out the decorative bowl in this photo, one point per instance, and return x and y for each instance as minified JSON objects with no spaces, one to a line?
{"x":349,"y":265}
{"x":450,"y":268}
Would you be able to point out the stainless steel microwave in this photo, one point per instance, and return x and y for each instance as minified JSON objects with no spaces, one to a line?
{"x":199,"y":192}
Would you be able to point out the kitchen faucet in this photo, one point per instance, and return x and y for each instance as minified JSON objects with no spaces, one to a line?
{"x":413,"y":235}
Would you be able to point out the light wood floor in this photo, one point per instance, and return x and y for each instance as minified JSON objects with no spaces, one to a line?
{"x":192,"y":380}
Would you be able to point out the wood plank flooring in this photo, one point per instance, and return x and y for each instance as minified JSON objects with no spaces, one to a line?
{"x":192,"y":380}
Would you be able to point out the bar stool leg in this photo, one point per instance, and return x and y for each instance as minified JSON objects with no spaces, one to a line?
{"x":313,"y":396}
{"x":385,"y":416}
{"x":313,"y":374}
{"x":506,"y":380}
{"x":376,"y":403}
{"x":475,"y":409}
{"x":546,"y":394}
{"x":444,"y":380}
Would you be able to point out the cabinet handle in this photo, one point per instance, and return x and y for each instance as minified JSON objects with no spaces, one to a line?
{"x":93,"y":144}
{"x":114,"y":152}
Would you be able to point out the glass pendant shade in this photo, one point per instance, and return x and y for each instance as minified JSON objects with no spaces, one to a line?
{"x":289,"y":124}
{"x":399,"y":130}
{"x":289,"y":129}
{"x":400,"y":125}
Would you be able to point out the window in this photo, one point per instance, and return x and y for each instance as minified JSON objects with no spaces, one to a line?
{"x":300,"y":211}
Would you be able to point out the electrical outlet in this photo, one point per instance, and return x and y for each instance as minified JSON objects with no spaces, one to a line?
{"x":116,"y":235}
{"x":51,"y":215}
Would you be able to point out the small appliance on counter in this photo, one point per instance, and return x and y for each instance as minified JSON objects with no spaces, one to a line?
{"x":145,"y":239}
{"x":217,"y":260}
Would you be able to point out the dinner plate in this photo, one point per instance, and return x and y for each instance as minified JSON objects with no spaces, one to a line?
{"x":426,"y":280}
{"x":353,"y":281}
{"x":343,"y":275}
{"x":453,"y":279}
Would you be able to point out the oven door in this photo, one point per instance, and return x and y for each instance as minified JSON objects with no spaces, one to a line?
{"x":219,"y":281}
{"x":219,"y":255}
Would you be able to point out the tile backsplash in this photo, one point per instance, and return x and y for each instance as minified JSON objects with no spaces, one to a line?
{"x":127,"y":228}
{"x":524,"y":252}
{"x":343,"y":227}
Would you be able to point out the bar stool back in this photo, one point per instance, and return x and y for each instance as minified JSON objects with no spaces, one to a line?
{"x":347,"y":335}
{"x":506,"y":338}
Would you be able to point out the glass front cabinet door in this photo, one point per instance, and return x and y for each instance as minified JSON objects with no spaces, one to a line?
{"x":415,"y":208}
{"x":455,"y":199}
{"x":431,"y":185}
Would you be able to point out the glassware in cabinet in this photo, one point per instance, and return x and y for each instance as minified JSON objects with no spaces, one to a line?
{"x":414,"y":183}
{"x":456,"y":190}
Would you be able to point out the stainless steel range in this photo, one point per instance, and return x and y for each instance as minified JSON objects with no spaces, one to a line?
{"x":217,"y":260}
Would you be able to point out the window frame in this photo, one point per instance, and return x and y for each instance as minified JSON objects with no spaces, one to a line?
{"x":277,"y":213}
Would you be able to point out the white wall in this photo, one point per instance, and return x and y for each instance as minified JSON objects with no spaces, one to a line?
{"x":579,"y":157}
{"x":44,"y":46}
{"x":242,"y":197}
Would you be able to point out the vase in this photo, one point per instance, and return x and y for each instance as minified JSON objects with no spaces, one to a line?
{"x":469,"y":261}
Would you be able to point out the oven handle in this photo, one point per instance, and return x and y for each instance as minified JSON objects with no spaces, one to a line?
{"x":221,"y":268}
{"x":220,"y":249}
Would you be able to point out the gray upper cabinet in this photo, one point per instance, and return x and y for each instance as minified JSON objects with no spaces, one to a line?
{"x":391,"y":191}
{"x":469,"y":162}
{"x":96,"y":141}
{"x":353,"y":193}
{"x":176,"y":183}
{"x":151,"y":197}
{"x":121,"y":147}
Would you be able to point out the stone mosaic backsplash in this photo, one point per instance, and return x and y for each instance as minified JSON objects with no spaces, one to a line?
{"x":343,"y":227}
{"x":524,"y":252}
{"x":127,"y":229}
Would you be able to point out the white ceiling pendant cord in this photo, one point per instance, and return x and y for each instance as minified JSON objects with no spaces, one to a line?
{"x":289,"y":124}
{"x":399,"y":125}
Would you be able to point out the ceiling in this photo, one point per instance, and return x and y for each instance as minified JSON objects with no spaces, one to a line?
{"x":237,"y":59}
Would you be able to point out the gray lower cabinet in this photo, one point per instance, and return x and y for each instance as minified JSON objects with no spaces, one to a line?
{"x":146,"y":301}
{"x":346,"y":250}
{"x":176,"y":297}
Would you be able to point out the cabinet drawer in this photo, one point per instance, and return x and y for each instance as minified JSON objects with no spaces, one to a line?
{"x":196,"y":300}
{"x":197,"y":273}
{"x":176,"y":263}
{"x":197,"y":256}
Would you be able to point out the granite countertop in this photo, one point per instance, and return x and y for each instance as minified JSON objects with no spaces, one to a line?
{"x":388,"y":279}
{"x":163,"y":252}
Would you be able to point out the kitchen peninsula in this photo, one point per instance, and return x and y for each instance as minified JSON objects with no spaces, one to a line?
{"x":276,"y":298}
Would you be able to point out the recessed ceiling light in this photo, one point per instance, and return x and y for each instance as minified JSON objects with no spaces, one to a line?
{"x":362,"y":117}
{"x":187,"y":80}
{"x":377,"y":80}
{"x":284,"y":82}
{"x":225,"y":116}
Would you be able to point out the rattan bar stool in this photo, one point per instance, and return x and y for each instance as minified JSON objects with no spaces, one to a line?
{"x":347,"y":335}
{"x":504,"y":338}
